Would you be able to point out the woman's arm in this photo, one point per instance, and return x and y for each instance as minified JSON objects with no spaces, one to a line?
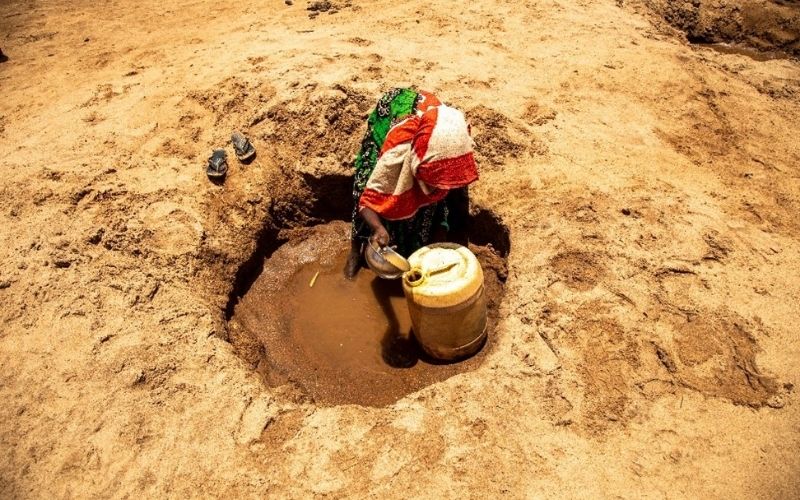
{"x":379,"y":233}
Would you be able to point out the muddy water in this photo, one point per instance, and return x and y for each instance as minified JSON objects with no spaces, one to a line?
{"x":339,"y":341}
{"x":354,"y":325}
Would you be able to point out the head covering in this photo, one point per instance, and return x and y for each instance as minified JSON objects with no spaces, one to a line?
{"x":423,"y":156}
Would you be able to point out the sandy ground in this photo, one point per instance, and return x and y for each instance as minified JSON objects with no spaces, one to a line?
{"x":648,"y":336}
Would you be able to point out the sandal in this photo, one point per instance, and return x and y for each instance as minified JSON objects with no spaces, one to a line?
{"x":217,"y":164}
{"x":243,"y":148}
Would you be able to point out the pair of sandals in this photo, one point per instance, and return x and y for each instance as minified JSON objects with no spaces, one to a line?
{"x":218,"y":161}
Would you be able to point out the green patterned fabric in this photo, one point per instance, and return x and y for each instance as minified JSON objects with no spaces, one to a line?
{"x":410,"y":234}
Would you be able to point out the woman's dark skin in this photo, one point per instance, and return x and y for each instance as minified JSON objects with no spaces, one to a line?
{"x":379,"y":234}
{"x":458,"y":203}
{"x":380,"y":237}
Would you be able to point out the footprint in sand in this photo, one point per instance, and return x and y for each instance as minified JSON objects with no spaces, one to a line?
{"x":172,"y":229}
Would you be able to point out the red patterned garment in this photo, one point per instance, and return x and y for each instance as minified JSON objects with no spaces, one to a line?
{"x":424,"y":156}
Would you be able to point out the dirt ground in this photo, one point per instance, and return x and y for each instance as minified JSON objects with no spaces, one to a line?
{"x":647,"y":340}
{"x":765,"y":25}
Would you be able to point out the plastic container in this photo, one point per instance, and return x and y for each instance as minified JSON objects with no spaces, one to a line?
{"x":446,"y":301}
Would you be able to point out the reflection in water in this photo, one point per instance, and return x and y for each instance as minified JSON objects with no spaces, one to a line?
{"x":398,"y":348}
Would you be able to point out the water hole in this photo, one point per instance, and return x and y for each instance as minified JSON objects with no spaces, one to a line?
{"x":343,"y":341}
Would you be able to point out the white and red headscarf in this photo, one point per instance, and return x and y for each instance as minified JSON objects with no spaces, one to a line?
{"x":423,"y":156}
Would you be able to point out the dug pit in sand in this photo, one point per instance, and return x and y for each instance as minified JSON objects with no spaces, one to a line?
{"x":342,"y":341}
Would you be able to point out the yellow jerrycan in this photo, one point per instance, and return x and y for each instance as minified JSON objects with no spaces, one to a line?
{"x":446,"y":301}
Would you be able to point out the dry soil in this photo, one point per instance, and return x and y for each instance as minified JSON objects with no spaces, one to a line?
{"x":647,"y":341}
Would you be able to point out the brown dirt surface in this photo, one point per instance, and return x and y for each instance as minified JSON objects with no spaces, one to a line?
{"x":769,"y":26}
{"x":643,"y":193}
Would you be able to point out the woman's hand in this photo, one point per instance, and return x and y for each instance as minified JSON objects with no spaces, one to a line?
{"x":379,"y":233}
{"x":380,"y":236}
